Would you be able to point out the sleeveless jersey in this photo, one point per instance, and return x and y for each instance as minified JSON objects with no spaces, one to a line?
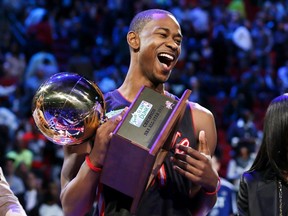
{"x":168,"y":195}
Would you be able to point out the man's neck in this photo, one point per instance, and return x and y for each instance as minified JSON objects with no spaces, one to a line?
{"x":129,"y":89}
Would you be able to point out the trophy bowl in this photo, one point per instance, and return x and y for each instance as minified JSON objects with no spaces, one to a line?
{"x":67,"y":108}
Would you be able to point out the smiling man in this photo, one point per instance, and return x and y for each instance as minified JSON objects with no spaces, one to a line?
{"x":187,"y":183}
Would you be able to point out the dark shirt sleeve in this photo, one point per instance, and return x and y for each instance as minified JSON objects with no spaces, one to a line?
{"x":242,"y":199}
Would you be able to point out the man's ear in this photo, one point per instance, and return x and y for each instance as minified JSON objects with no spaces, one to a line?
{"x":133,"y":40}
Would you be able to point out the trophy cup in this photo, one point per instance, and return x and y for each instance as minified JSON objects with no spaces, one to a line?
{"x":67,"y":108}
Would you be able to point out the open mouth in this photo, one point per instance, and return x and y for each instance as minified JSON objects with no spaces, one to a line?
{"x":166,"y":59}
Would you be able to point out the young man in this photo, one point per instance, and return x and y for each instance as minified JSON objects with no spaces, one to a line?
{"x":190,"y":182}
{"x":9,"y":203}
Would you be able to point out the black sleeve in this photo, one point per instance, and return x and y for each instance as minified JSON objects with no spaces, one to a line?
{"x":242,"y":198}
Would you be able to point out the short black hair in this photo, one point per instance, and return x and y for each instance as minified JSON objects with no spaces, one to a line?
{"x":142,"y":18}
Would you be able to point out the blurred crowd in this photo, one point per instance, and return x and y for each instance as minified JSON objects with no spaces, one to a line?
{"x":234,"y":59}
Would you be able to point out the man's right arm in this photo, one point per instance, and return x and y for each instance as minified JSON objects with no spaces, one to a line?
{"x":78,"y":181}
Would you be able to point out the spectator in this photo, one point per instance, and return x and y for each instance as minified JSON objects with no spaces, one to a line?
{"x":119,"y":41}
{"x":80,"y":63}
{"x":15,"y":62}
{"x":243,"y":90}
{"x":239,"y":163}
{"x":34,"y":140}
{"x":263,"y":43}
{"x":231,"y":111}
{"x":9,"y":119}
{"x":196,"y":92}
{"x":15,"y":182}
{"x":41,"y":66}
{"x":51,"y":202}
{"x":244,"y":130}
{"x":226,"y":201}
{"x":20,"y":152}
{"x":40,"y":34}
{"x":9,"y":203}
{"x":33,"y":194}
{"x":282,"y":77}
{"x":280,"y":37}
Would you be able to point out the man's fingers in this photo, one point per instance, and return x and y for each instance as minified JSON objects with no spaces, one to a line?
{"x":118,"y":117}
{"x":111,"y":123}
{"x":124,"y":111}
{"x":203,"y":145}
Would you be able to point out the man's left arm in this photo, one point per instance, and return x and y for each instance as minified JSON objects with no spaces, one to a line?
{"x":196,"y":164}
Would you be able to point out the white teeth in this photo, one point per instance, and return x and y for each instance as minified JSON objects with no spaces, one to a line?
{"x":167,"y":56}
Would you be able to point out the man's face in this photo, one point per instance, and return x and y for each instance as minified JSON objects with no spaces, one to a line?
{"x":160,"y":47}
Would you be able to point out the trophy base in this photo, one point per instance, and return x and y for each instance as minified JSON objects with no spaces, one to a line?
{"x":127,"y":166}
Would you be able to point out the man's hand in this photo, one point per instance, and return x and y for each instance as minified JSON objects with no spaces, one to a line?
{"x":102,"y":138}
{"x":196,"y":164}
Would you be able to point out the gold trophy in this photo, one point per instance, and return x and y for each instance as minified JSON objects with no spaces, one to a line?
{"x":67,"y":108}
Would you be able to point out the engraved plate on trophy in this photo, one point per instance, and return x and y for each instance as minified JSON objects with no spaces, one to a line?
{"x":146,"y":118}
